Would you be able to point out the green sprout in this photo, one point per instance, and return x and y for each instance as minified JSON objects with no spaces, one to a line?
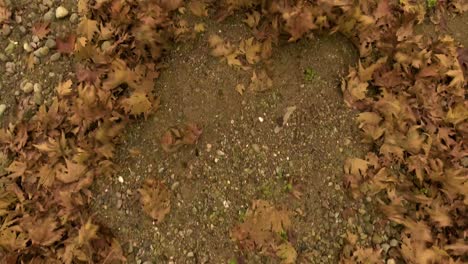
{"x":310,"y":74}
{"x":431,"y":3}
{"x":232,"y":261}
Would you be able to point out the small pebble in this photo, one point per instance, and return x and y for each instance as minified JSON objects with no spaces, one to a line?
{"x":119,"y":203}
{"x":55,"y":56}
{"x":394,"y":243}
{"x":37,"y":88}
{"x":22,"y":29}
{"x":121,"y":180}
{"x":27,"y":88}
{"x":41,"y":52}
{"x":50,"y":43}
{"x":35,"y":39}
{"x":3,"y":57}
{"x":391,"y":261}
{"x":3,"y":107}
{"x":10,"y":48}
{"x":49,"y":16}
{"x":74,"y":18}
{"x":61,"y":12}
{"x":27,"y":47}
{"x":6,"y":30}
{"x":190,"y":254}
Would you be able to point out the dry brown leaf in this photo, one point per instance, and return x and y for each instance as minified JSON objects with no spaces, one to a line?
{"x":240,"y":88}
{"x":260,"y":82}
{"x":41,"y":30}
{"x":87,"y":28}
{"x":198,"y":8}
{"x":138,"y":103}
{"x":262,"y":227}
{"x":155,"y":199}
{"x":356,"y":167}
{"x":71,"y":173}
{"x":252,"y":19}
{"x":64,"y":88}
{"x":251,"y":49}
{"x":42,"y":231}
{"x":66,"y":45}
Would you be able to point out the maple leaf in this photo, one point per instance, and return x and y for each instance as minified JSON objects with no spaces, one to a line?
{"x":252,"y":19}
{"x":198,"y":8}
{"x":17,"y":169}
{"x":357,"y":167}
{"x":260,"y":82}
{"x":251,"y":50}
{"x":87,"y":233}
{"x":72,"y":172}
{"x":298,"y":22}
{"x":64,"y":88}
{"x":262,"y":227}
{"x":155,"y":199}
{"x":88,"y":27}
{"x":41,"y":30}
{"x":138,"y":103}
{"x":42,"y":231}
{"x":66,"y":45}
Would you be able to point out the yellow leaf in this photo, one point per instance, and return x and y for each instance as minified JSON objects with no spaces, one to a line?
{"x":199,"y":27}
{"x":260,"y":82}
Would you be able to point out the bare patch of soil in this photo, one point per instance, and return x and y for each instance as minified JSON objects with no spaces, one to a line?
{"x":240,"y":157}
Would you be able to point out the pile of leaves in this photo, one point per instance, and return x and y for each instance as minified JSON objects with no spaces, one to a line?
{"x":410,"y":89}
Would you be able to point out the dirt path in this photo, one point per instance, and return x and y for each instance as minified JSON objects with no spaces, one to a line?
{"x":240,"y":158}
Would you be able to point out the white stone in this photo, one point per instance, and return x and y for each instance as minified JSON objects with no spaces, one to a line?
{"x":61,"y":12}
{"x":121,"y":180}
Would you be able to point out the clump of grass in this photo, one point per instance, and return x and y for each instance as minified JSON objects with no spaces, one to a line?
{"x":310,"y":74}
{"x":431,"y":3}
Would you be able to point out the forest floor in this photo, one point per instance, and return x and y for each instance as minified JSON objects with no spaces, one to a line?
{"x":285,"y":146}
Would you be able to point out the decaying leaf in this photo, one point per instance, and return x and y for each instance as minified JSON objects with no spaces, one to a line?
{"x":66,"y":45}
{"x":155,"y":199}
{"x":64,"y":88}
{"x":198,"y":8}
{"x":138,"y":103}
{"x":260,"y":82}
{"x":262,"y":228}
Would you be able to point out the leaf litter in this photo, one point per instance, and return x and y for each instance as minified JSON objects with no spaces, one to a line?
{"x":410,"y":88}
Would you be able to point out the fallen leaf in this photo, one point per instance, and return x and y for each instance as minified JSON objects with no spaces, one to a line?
{"x":252,"y":19}
{"x":87,"y":27}
{"x":138,"y":103}
{"x":64,"y":88}
{"x":240,"y":88}
{"x":66,"y":45}
{"x":155,"y":199}
{"x":260,"y":82}
{"x":198,"y":8}
{"x":41,"y":30}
